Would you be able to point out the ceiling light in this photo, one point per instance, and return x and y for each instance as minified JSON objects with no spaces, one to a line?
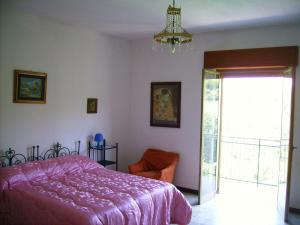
{"x":173,"y":36}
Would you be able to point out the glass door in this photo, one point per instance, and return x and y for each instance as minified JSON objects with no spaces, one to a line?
{"x":285,"y":144}
{"x":210,"y":135}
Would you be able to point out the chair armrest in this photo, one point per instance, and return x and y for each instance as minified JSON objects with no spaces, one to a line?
{"x":137,"y":167}
{"x":167,"y":174}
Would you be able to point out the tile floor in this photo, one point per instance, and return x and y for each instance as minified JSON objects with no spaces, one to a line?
{"x":243,"y":204}
{"x":294,"y":219}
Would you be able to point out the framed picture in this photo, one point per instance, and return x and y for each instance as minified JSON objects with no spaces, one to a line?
{"x":165,"y":104}
{"x":92,"y":105}
{"x":30,"y":87}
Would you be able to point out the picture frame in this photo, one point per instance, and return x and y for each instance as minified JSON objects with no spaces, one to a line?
{"x":92,"y":105}
{"x":165,"y":104}
{"x":30,"y":87}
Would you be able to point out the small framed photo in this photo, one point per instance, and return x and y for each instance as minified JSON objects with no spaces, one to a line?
{"x":30,"y":87}
{"x":92,"y":105}
{"x":165,"y":104}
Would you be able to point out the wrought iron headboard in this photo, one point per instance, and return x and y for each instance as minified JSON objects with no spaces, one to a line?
{"x":59,"y":150}
{"x":10,"y":158}
{"x":34,"y":154}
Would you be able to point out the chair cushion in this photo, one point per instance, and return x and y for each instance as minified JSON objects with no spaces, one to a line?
{"x":159,"y":159}
{"x":154,"y":174}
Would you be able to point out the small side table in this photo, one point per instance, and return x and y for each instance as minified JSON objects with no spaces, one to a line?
{"x":98,"y":153}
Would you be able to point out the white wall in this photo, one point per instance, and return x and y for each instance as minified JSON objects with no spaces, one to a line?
{"x":150,"y":66}
{"x":80,"y":64}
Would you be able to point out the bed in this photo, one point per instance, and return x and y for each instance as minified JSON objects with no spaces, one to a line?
{"x":75,"y":190}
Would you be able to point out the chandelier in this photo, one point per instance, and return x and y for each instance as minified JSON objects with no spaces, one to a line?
{"x":173,"y":36}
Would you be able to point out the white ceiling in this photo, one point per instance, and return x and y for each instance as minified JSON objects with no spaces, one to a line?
{"x":133,"y":19}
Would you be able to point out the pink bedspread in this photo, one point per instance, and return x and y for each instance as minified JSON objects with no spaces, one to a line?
{"x":74,"y":190}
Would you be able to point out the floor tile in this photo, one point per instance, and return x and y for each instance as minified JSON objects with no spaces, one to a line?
{"x":241,"y":204}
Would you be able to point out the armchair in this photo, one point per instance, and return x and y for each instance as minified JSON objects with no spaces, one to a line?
{"x":156,"y":164}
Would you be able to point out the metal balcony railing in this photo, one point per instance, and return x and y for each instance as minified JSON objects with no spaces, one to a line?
{"x":251,"y":160}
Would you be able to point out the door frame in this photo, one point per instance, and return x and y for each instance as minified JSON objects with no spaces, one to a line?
{"x":291,"y":146}
{"x":291,"y":139}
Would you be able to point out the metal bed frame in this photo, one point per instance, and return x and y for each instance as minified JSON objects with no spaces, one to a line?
{"x":11,"y":158}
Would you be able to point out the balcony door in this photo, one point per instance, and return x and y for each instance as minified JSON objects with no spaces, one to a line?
{"x":286,"y":142}
{"x":211,"y":132}
{"x":210,"y":135}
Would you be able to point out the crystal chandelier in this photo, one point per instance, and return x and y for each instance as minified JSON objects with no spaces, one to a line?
{"x":173,"y":35}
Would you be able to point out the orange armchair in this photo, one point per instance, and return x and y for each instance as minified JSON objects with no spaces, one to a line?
{"x":156,"y":164}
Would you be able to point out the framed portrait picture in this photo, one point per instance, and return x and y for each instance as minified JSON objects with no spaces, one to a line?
{"x":165,"y":104}
{"x":92,"y":105}
{"x":30,"y":87}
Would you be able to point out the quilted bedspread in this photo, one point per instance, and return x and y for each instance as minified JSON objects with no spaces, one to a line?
{"x":74,"y":190}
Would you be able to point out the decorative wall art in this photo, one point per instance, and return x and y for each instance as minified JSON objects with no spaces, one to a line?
{"x":30,"y":87}
{"x":92,"y":105}
{"x":165,"y":104}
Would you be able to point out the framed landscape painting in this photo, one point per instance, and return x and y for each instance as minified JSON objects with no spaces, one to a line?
{"x":165,"y":104}
{"x":30,"y":87}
